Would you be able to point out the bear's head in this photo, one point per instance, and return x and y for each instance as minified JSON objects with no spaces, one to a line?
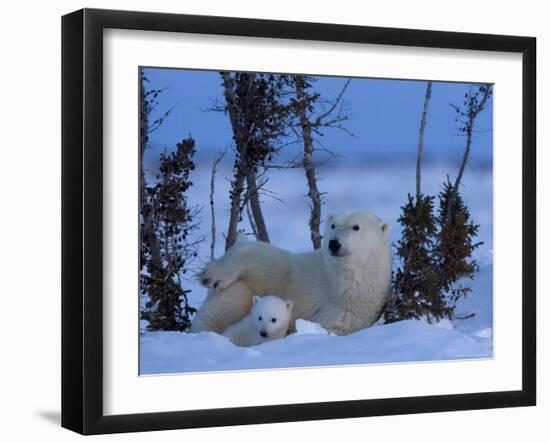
{"x":352,"y":235}
{"x":271,"y":315}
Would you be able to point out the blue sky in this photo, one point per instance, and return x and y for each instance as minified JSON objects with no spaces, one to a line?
{"x":384,"y":117}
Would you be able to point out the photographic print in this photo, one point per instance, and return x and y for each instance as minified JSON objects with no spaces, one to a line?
{"x":291,"y":220}
{"x":250,"y":204}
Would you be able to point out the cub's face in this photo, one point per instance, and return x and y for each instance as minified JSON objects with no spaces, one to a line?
{"x":271,"y":315}
{"x":351,"y":233}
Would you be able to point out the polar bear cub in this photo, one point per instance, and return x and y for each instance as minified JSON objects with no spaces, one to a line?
{"x":268,"y":320}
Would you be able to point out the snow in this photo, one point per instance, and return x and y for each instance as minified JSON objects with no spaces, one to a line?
{"x":405,"y":341}
{"x":311,"y":345}
{"x":479,"y":303}
{"x":309,"y":327}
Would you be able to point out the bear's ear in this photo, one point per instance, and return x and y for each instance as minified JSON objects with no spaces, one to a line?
{"x":289,"y":305}
{"x":330,"y":217}
{"x":385,"y":226}
{"x":255,"y":299}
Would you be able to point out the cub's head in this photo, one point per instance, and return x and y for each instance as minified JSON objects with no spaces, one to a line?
{"x":350,"y":234}
{"x":271,"y":315}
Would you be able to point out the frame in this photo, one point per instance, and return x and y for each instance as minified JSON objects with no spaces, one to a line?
{"x":82,"y":221}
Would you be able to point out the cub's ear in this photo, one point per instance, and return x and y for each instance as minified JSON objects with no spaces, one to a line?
{"x":385,"y":226}
{"x":330,"y":218}
{"x":255,"y":299}
{"x":289,"y":305}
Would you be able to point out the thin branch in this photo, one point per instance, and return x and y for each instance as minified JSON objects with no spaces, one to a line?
{"x":473,"y":110}
{"x":217,"y":160}
{"x":421,"y":140}
{"x":242,"y":168}
{"x":334,"y":104}
{"x":254,"y":203}
{"x":159,"y":121}
{"x":251,"y":220}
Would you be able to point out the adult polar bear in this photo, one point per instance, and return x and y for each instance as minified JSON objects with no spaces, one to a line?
{"x":343,"y":286}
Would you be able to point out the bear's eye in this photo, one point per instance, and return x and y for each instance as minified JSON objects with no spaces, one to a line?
{"x":332,"y":226}
{"x":273,"y":320}
{"x":260,"y":318}
{"x":356,"y":227}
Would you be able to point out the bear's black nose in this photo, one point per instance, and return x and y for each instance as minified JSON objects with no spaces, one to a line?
{"x":263,"y":334}
{"x":334,"y":246}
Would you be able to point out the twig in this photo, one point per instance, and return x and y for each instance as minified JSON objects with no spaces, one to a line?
{"x":334,"y":104}
{"x":473,"y":110}
{"x":421,"y":140}
{"x":217,"y":160}
{"x":251,"y":220}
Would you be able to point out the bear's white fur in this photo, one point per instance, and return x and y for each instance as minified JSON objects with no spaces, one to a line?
{"x":268,"y":320}
{"x":343,"y":289}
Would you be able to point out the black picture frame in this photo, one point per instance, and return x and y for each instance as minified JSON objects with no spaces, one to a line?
{"x":82,"y":215}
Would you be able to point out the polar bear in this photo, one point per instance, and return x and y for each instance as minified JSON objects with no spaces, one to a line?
{"x":268,"y":320}
{"x":343,"y":286}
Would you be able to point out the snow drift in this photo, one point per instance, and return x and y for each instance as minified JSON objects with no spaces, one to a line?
{"x":405,"y":341}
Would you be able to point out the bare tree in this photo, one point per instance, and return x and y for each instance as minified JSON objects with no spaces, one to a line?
{"x":167,"y":248}
{"x":259,"y":117}
{"x":255,"y":207}
{"x":474,"y":103}
{"x":421,"y":140}
{"x":173,"y":221}
{"x":148,"y":103}
{"x":304,"y":107}
{"x":241,"y":166}
{"x":313,"y":193}
{"x":217,"y":160}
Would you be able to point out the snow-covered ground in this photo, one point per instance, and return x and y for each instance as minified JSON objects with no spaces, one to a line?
{"x":405,"y":341}
{"x":381,"y":189}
